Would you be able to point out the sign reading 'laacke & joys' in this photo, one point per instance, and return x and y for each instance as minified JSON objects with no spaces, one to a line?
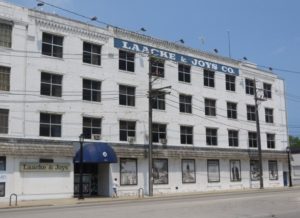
{"x":136,"y":47}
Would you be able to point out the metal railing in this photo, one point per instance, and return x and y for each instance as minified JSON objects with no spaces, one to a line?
{"x":10,"y":198}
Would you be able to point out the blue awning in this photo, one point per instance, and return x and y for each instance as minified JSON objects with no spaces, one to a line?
{"x":96,"y":153}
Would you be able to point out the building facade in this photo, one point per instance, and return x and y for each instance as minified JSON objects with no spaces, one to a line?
{"x":61,"y":77}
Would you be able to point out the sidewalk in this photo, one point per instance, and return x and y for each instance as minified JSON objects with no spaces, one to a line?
{"x":108,"y":200}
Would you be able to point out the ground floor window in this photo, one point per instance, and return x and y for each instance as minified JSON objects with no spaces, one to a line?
{"x":235,"y":170}
{"x":188,"y":171}
{"x":128,"y":171}
{"x":2,"y":189}
{"x":213,"y":170}
{"x":2,"y":163}
{"x":160,"y":171}
{"x":254,"y":170}
{"x":273,"y":170}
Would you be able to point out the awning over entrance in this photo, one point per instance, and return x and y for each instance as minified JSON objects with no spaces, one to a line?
{"x":96,"y":153}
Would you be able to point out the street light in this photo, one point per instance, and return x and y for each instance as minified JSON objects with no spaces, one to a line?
{"x":81,"y":139}
{"x":288,"y":151}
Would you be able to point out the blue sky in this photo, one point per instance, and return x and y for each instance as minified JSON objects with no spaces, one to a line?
{"x":266,"y":32}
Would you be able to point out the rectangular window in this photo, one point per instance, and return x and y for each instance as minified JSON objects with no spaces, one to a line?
{"x":160,"y":171}
{"x":127,"y":95}
{"x":50,"y":125}
{"x":159,"y":131}
{"x":235,"y":171}
{"x":230,"y":82}
{"x":2,"y":163}
{"x":91,"y":53}
{"x":91,"y":126}
{"x":273,"y":170}
{"x":51,"y":84}
{"x":91,"y":90}
{"x":232,"y":110}
{"x":4,"y":114}
{"x":185,"y":103}
{"x":186,"y":135}
{"x":211,"y":136}
{"x":127,"y":129}
{"x":210,"y":107}
{"x":188,"y":171}
{"x":267,"y":90}
{"x":158,"y":101}
{"x":254,"y":170}
{"x":157,"y":67}
{"x":233,"y":138}
{"x":5,"y":35}
{"x":184,"y":73}
{"x":2,"y":189}
{"x":52,"y":45}
{"x":251,"y":115}
{"x":128,"y":171}
{"x":269,"y":115}
{"x":249,"y":86}
{"x":209,"y":78}
{"x":126,"y":60}
{"x":213,"y":170}
{"x":271,"y":141}
{"x":4,"y":78}
{"x":252,"y":139}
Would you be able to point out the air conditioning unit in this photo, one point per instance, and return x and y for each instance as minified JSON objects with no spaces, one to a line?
{"x":96,"y":136}
{"x":131,"y":139}
{"x":163,"y":141}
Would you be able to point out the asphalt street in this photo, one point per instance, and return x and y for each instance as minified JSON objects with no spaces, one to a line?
{"x":278,"y":204}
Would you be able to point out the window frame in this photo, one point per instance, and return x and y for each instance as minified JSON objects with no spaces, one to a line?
{"x":209,"y":78}
{"x":251,"y":112}
{"x":184,"y":73}
{"x":52,"y":45}
{"x":232,"y":179}
{"x":122,"y":183}
{"x":3,"y":161}
{"x":269,"y":117}
{"x":126,"y":98}
{"x":188,"y":133}
{"x":128,"y":61}
{"x":232,"y":112}
{"x":92,"y":129}
{"x":210,"y":107}
{"x":89,"y":93}
{"x":92,"y":55}
{"x":166,"y":162}
{"x":249,"y":86}
{"x":157,"y":67}
{"x":230,"y":82}
{"x":271,"y":142}
{"x":208,"y":171}
{"x":184,"y":180}
{"x":254,"y":163}
{"x":5,"y":73}
{"x":51,"y":85}
{"x":129,"y":132}
{"x":267,"y":88}
{"x":49,"y":125}
{"x":159,"y":101}
{"x":185,"y":103}
{"x":271,"y":178}
{"x":159,"y":133}
{"x":3,"y":185}
{"x":233,"y":140}
{"x":7,"y":31}
{"x":4,"y":114}
{"x":211,"y":136}
{"x":252,"y":141}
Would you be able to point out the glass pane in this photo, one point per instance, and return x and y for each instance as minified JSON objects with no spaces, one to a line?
{"x":57,"y":51}
{"x":46,"y":77}
{"x":44,"y":130}
{"x":45,"y":89}
{"x":96,"y":96}
{"x":87,"y":122}
{"x":96,"y":49}
{"x":56,"y":119}
{"x":87,"y":58}
{"x":87,"y":83}
{"x":86,"y":95}
{"x":46,"y":49}
{"x":87,"y":47}
{"x":47,"y":38}
{"x":44,"y":118}
{"x":57,"y":40}
{"x":55,"y":131}
{"x":56,"y":79}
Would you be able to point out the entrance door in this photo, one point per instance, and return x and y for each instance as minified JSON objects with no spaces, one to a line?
{"x":89,"y":179}
{"x":285,"y":178}
{"x":103,"y":180}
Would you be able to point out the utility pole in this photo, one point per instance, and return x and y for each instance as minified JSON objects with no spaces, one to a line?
{"x":256,"y":99}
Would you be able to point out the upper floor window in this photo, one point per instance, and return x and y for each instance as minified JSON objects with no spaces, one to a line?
{"x":91,"y":53}
{"x":185,"y":103}
{"x":126,"y":95}
{"x":126,"y":60}
{"x":233,"y":138}
{"x":184,"y":73}
{"x":230,"y":82}
{"x":251,"y":113}
{"x":157,"y":67}
{"x":249,"y":86}
{"x":210,"y":107}
{"x":271,"y":140}
{"x":159,"y":131}
{"x":4,"y":78}
{"x":211,"y":136}
{"x":2,"y":163}
{"x":50,"y":125}
{"x":269,"y":115}
{"x":51,"y":84}
{"x":91,"y":90}
{"x":267,"y":90}
{"x":209,"y":78}
{"x":186,"y":135}
{"x":232,"y":110}
{"x":252,"y":139}
{"x":52,"y":45}
{"x":127,"y":129}
{"x":5,"y":34}
{"x":158,"y":101}
{"x":4,"y":121}
{"x":91,"y":126}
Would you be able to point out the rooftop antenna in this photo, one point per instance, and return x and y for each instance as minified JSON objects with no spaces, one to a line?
{"x":229,"y":46}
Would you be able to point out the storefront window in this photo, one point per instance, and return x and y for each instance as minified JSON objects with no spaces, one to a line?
{"x":2,"y":189}
{"x":188,"y":171}
{"x":213,"y":170}
{"x":160,"y":171}
{"x":2,"y":163}
{"x":128,"y":171}
{"x":235,"y":170}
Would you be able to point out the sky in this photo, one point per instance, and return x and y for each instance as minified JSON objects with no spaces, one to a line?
{"x":267,"y":32}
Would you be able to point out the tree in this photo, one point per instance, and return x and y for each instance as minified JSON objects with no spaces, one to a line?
{"x":294,"y":141}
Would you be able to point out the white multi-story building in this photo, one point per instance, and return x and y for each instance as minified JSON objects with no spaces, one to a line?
{"x":61,"y":77}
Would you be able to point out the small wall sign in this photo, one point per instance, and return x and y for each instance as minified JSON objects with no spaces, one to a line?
{"x":45,"y":167}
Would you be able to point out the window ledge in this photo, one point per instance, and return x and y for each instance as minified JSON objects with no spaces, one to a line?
{"x":127,"y":106}
{"x":52,"y":97}
{"x":185,"y":83}
{"x":52,"y":57}
{"x":92,"y":65}
{"x":209,"y":87}
{"x":128,"y":72}
{"x":92,"y":102}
